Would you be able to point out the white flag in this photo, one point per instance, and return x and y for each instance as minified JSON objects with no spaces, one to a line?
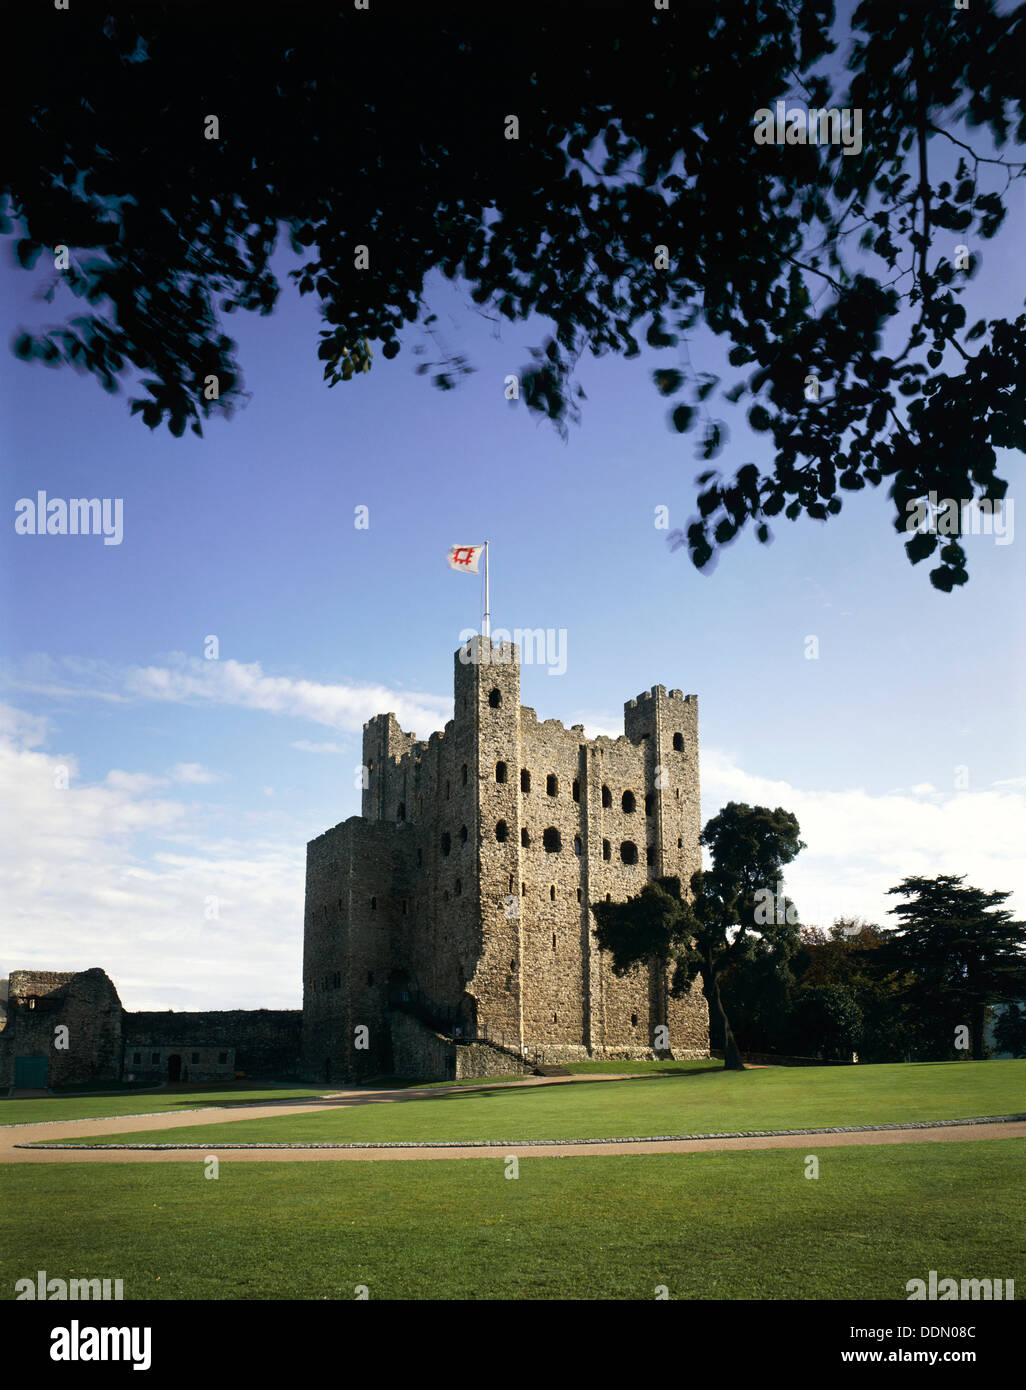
{"x":465,"y":557}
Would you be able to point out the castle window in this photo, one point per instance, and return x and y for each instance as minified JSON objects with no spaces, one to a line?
{"x":337,"y":981}
{"x":628,"y":802}
{"x":340,"y":903}
{"x":420,"y":859}
{"x":634,"y":1020}
{"x":525,"y":780}
{"x":552,"y":840}
{"x":195,"y":1058}
{"x":447,"y":789}
{"x":578,"y":895}
{"x":374,"y":904}
{"x":501,"y":832}
{"x":525,"y":838}
{"x":609,"y":897}
{"x":459,"y":887}
{"x":578,"y":847}
{"x":650,"y":803}
{"x":552,"y":898}
{"x":553,"y":940}
{"x":512,"y":965}
{"x":370,"y":977}
{"x":495,"y":697}
{"x":629,"y":852}
{"x":678,"y":743}
{"x":400,"y":811}
{"x":680,"y":844}
{"x":154,"y":1057}
{"x":552,"y":784}
{"x":511,"y":883}
{"x":463,"y":774}
{"x":523,"y":890}
{"x":370,"y":765}
{"x":575,"y":790}
{"x":404,"y":907}
{"x":463,"y":834}
{"x":136,"y":1056}
{"x":222,"y":1059}
{"x":607,"y":850}
{"x":31,"y":1002}
{"x":650,"y":854}
{"x":446,"y":844}
{"x":500,"y":772}
{"x":555,"y":1018}
{"x":607,"y":797}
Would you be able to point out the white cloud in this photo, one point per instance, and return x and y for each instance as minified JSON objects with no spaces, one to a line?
{"x":305,"y":746}
{"x":114,"y":874}
{"x":859,"y":845}
{"x":193,"y":774}
{"x":190,"y":680}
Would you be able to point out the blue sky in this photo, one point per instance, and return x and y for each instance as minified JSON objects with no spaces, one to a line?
{"x":191,"y":781}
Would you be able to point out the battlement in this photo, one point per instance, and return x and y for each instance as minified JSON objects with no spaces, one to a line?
{"x":648,"y":697}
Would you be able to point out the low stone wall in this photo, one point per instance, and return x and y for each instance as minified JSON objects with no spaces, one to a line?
{"x":484,"y":1059}
{"x":418,"y":1052}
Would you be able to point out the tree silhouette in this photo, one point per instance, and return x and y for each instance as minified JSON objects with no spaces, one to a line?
{"x":596,"y":165}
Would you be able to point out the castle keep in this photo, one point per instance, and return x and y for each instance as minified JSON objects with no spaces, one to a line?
{"x":448,"y":929}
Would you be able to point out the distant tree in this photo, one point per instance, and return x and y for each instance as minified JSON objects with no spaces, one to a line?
{"x":1010,"y":1030}
{"x":609,"y":174}
{"x":732,"y":906}
{"x":826,"y":1021}
{"x":961,"y":951}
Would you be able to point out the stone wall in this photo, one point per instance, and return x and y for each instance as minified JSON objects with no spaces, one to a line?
{"x":71,"y":1018}
{"x":266,"y":1042}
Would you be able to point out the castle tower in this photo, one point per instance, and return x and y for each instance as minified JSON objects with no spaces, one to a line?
{"x":459,"y":903}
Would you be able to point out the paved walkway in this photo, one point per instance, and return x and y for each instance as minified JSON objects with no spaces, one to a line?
{"x":12,"y":1135}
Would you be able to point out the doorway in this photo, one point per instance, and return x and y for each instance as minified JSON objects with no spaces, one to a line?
{"x":174,"y":1067}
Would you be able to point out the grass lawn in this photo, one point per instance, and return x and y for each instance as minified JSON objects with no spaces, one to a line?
{"x":720,"y":1225}
{"x":71,"y":1107}
{"x":693,"y":1102}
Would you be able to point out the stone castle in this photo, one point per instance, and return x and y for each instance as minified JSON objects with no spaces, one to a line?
{"x":448,"y":929}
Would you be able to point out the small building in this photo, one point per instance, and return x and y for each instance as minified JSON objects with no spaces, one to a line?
{"x":147,"y":1063}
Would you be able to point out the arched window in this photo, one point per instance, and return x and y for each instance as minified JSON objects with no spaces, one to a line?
{"x":575,"y":790}
{"x":463,"y":834}
{"x":628,"y":802}
{"x":525,"y":838}
{"x":495,"y":697}
{"x":578,"y":847}
{"x":678,"y":743}
{"x":552,"y":784}
{"x":650,"y":803}
{"x":525,"y":780}
{"x":629,"y":852}
{"x":463,"y":774}
{"x":552,"y":840}
{"x":501,"y":772}
{"x":607,"y":797}
{"x":446,"y":843}
{"x":607,"y":850}
{"x":501,"y":832}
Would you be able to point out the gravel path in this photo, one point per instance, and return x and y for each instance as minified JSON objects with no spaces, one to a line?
{"x":13,"y":1136}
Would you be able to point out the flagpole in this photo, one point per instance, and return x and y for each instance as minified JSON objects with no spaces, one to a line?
{"x":487,"y":614}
